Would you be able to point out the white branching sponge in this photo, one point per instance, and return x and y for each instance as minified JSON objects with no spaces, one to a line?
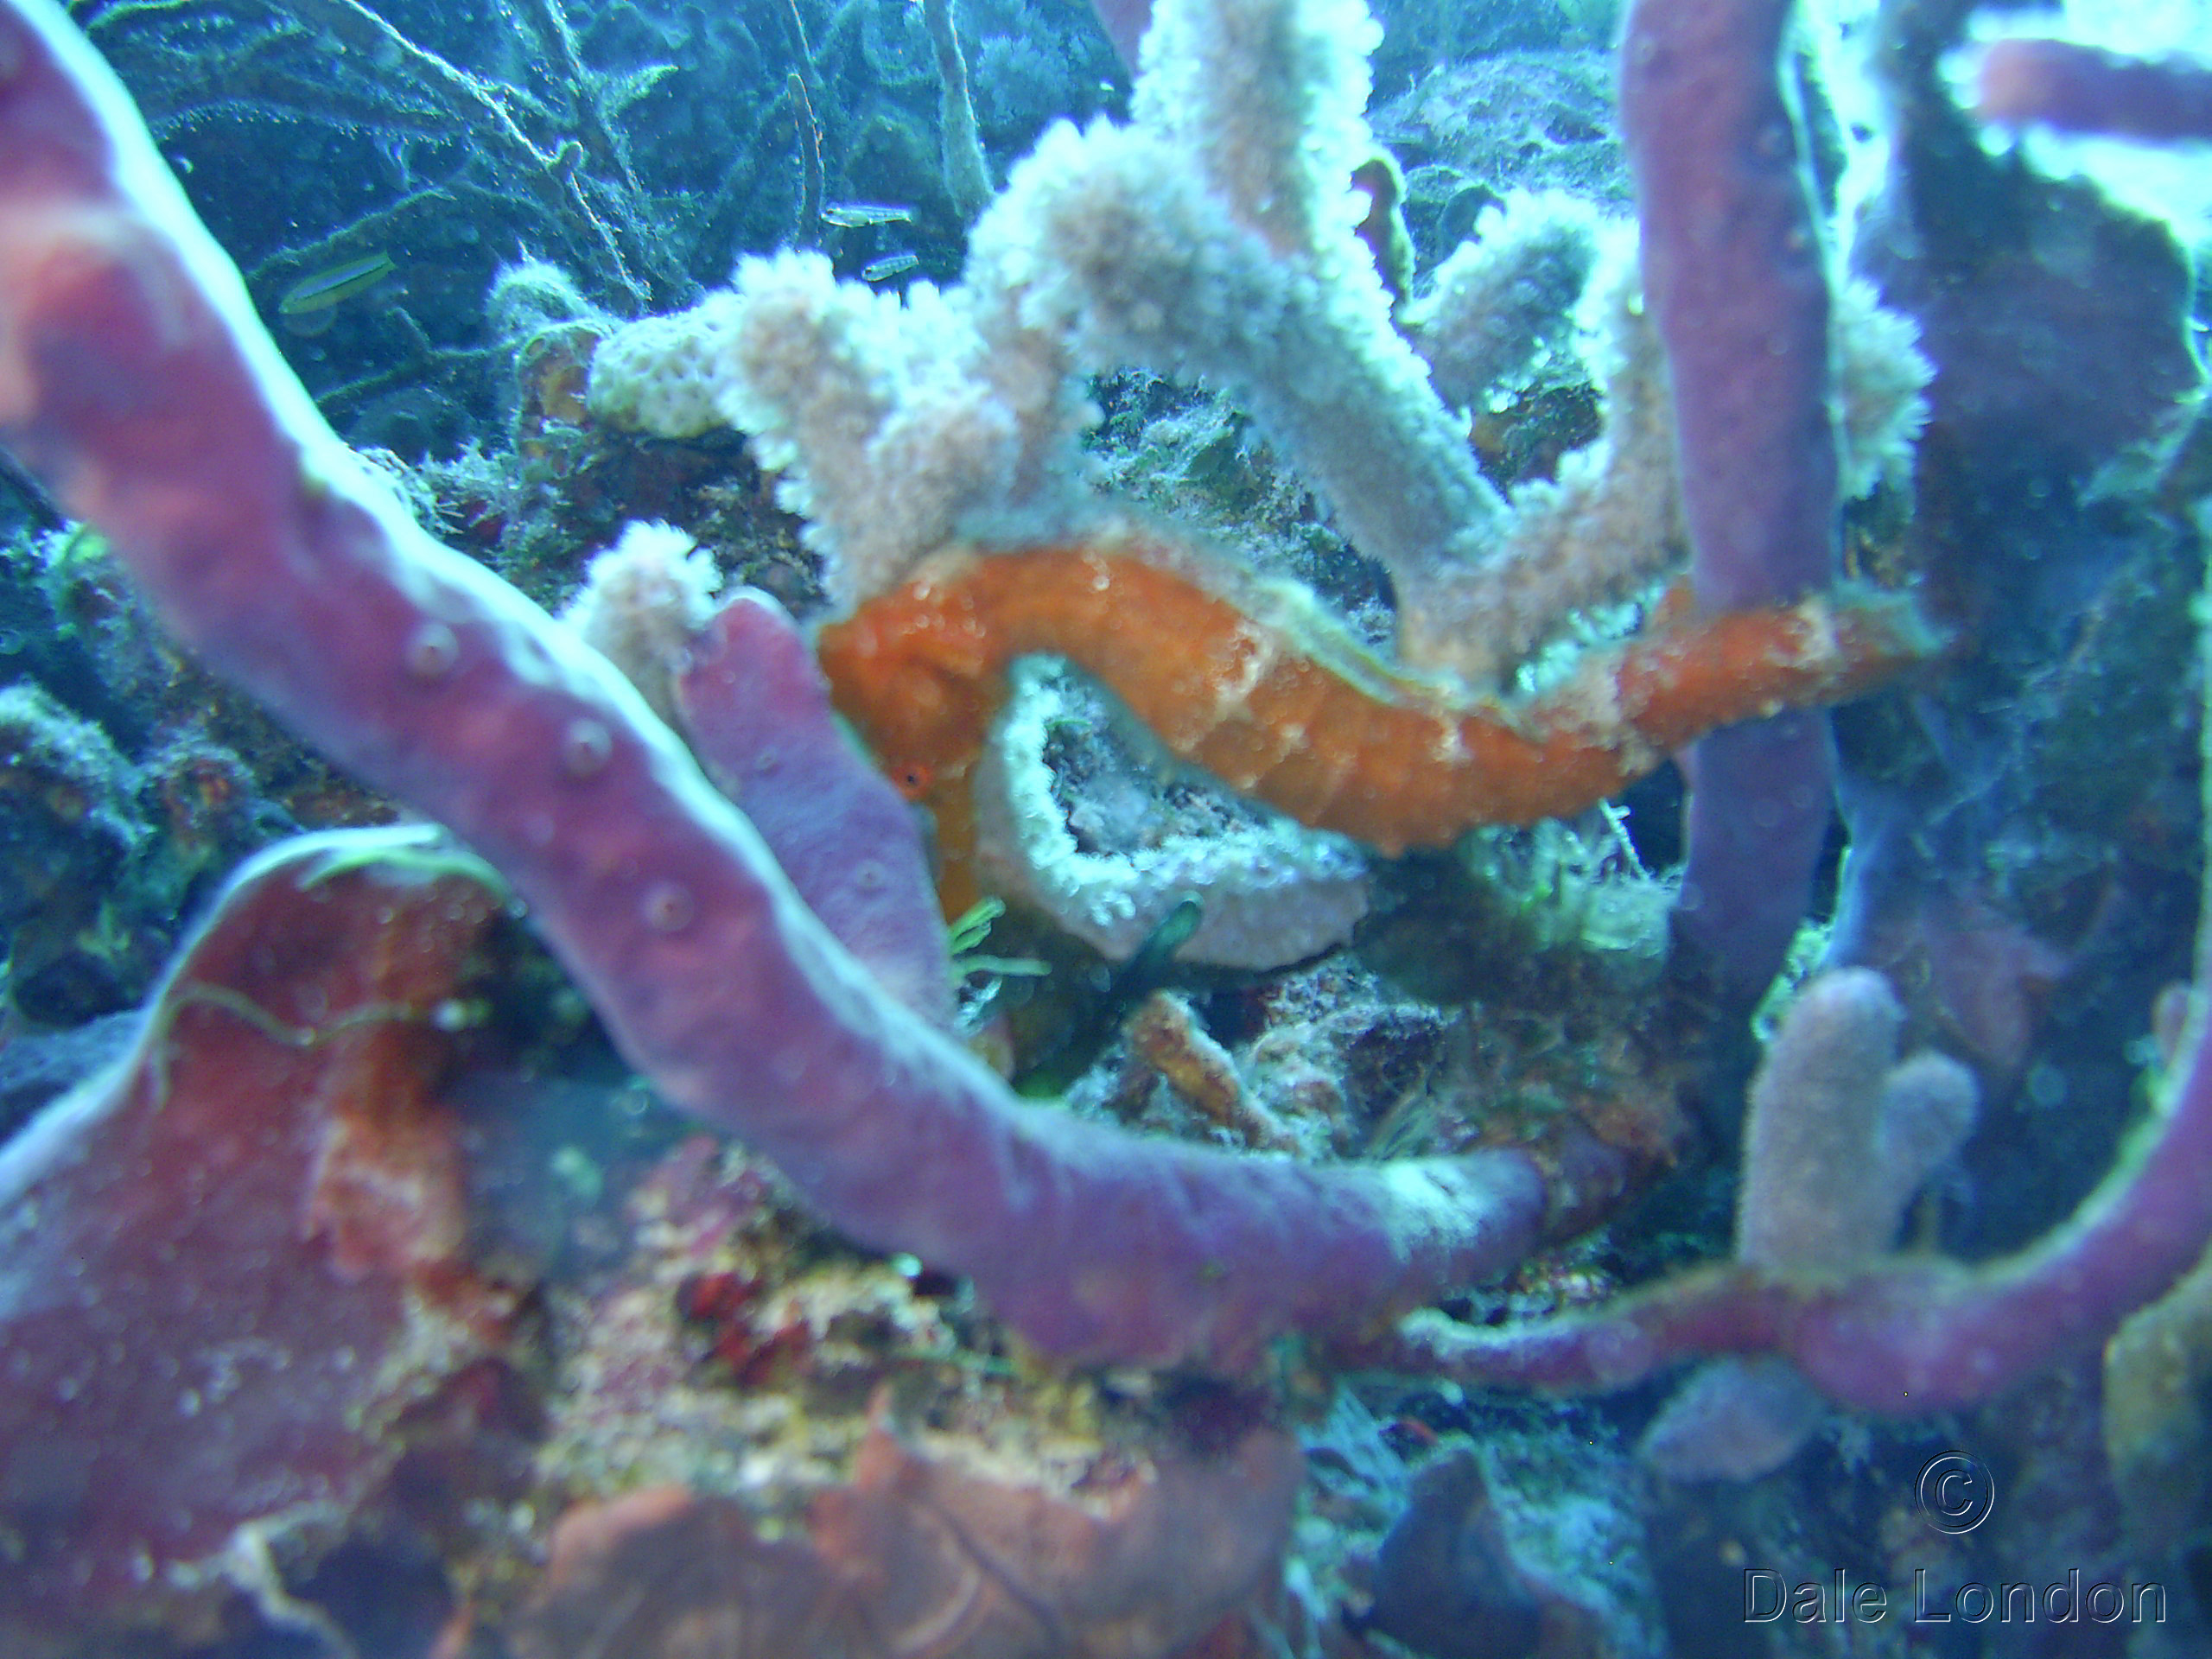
{"x":1841,"y":1134}
{"x":642,"y":600}
{"x":1096,"y":849}
{"x":1213,"y":237}
{"x":894,"y":425}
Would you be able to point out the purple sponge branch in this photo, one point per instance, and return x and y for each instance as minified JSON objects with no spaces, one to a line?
{"x":756,"y":710}
{"x":1125,"y":23}
{"x":2081,"y":89}
{"x":1907,"y":1336}
{"x":135,"y":381}
{"x":1734,"y":273}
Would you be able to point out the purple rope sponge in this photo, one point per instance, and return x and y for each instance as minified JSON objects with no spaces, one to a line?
{"x":1903,"y":1335}
{"x":2081,"y":89}
{"x":1733,"y":274}
{"x":756,"y":710}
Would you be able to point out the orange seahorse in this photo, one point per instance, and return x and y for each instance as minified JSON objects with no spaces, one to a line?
{"x":1283,"y":704}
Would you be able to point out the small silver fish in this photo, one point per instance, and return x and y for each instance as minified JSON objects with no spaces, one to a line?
{"x":851,"y":215}
{"x":891,"y":264}
{"x":336,"y":284}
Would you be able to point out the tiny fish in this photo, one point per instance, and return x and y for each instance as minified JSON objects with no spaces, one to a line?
{"x":1149,"y":968}
{"x":853,"y":214}
{"x":336,"y":284}
{"x":890,"y":265}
